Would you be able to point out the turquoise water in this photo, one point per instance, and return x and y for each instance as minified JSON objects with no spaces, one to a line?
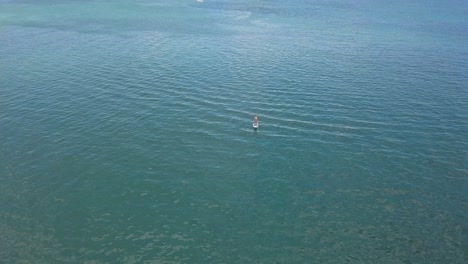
{"x":126,"y":131}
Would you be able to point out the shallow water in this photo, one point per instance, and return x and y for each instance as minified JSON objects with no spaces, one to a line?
{"x":126,"y":131}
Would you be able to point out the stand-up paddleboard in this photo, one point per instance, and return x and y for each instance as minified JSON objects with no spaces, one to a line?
{"x":255,"y":122}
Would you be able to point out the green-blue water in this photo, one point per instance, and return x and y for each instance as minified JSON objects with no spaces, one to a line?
{"x":126,"y":131}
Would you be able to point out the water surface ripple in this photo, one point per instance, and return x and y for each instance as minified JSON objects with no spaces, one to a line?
{"x":125,"y":132}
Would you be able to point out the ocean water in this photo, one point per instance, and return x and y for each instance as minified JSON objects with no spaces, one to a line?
{"x":126,"y":131}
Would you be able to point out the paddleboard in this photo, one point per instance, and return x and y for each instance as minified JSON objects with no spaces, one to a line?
{"x":255,"y":122}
